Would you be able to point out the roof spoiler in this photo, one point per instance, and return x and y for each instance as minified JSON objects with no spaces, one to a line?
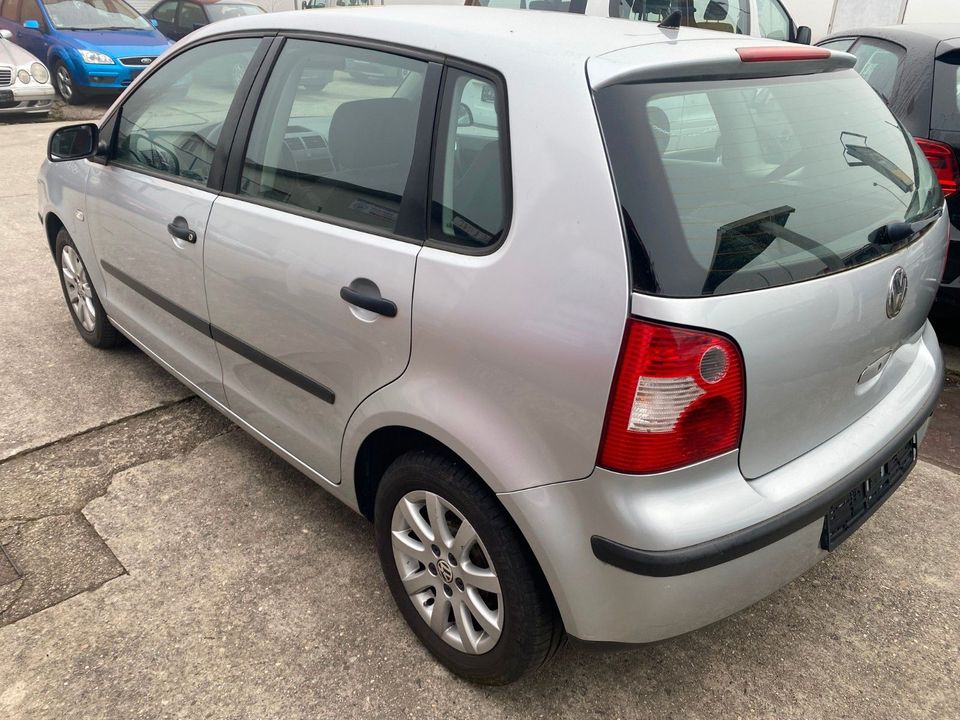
{"x":700,"y":60}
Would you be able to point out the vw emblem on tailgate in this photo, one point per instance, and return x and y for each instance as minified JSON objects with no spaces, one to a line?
{"x":897,"y":292}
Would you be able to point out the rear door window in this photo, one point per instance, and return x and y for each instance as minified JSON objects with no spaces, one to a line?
{"x":778,"y":182}
{"x":470,"y":188}
{"x":167,"y":12}
{"x":878,"y":62}
{"x":946,"y":93}
{"x":334,"y":134}
{"x":191,"y":17}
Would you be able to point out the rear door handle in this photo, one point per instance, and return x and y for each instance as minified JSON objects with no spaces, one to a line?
{"x":373,"y":303}
{"x":181,"y":230}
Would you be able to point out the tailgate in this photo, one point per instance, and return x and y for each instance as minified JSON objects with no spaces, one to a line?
{"x":806,"y":346}
{"x":781,"y":204}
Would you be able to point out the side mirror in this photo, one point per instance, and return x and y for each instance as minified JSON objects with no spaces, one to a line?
{"x":31,"y":25}
{"x":464,"y":116}
{"x":153,"y":21}
{"x":6,"y":34}
{"x":74,"y":142}
{"x":804,"y":35}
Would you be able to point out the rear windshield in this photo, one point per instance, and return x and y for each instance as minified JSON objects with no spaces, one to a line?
{"x":946,"y":93}
{"x":735,"y":185}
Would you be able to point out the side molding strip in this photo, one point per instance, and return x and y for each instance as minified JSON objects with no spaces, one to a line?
{"x":235,"y":344}
{"x":197,"y":323}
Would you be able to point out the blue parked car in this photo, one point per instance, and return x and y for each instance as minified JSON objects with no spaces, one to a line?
{"x":89,"y":45}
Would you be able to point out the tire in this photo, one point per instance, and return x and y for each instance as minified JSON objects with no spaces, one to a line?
{"x":522,"y":612}
{"x":66,"y":85}
{"x":82,"y":300}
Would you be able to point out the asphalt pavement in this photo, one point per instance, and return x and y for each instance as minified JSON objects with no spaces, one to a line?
{"x":156,"y":562}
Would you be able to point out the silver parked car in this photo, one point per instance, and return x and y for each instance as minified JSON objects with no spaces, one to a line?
{"x":25,"y":87}
{"x":615,"y":373}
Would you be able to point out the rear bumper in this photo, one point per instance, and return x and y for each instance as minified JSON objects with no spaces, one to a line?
{"x":640,"y":559}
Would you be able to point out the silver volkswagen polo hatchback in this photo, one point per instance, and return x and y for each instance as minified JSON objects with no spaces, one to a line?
{"x":611,"y":329}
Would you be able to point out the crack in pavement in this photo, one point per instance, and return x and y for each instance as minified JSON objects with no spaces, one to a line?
{"x":57,"y":552}
{"x":80,"y":433}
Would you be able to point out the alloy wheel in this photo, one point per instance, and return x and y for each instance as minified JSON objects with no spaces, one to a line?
{"x":79,"y":289}
{"x":447,"y":572}
{"x":64,"y":83}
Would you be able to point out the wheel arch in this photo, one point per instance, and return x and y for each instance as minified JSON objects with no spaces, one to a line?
{"x":381,"y":447}
{"x":57,"y":53}
{"x":379,"y":450}
{"x":52,"y":225}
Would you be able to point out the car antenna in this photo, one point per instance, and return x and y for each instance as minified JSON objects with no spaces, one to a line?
{"x":672,"y":21}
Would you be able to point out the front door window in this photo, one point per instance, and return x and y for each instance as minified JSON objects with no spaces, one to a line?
{"x":171,"y":124}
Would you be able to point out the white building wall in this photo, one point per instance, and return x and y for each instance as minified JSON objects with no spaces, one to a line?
{"x":866,"y":13}
{"x":932,"y":11}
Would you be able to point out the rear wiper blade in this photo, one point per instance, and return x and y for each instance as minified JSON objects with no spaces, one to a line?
{"x":897,"y":232}
{"x":742,"y":241}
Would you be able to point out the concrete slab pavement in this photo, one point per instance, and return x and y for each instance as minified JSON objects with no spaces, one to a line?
{"x":54,"y":551}
{"x":250,"y":593}
{"x":53,"y":384}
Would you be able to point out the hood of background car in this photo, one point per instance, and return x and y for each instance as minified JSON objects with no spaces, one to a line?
{"x":119,"y":43}
{"x":11,"y":54}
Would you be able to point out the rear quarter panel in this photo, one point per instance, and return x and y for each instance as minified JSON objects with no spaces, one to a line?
{"x":513,"y":352}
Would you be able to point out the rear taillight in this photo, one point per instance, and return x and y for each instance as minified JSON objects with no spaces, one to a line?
{"x":943,"y":160}
{"x":677,"y":399}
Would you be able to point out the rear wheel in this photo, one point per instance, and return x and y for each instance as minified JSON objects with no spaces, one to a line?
{"x":66,"y":85}
{"x":82,"y":300}
{"x":460,"y":572}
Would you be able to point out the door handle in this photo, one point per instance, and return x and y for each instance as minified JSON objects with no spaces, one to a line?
{"x":373,"y":303}
{"x":180,"y":230}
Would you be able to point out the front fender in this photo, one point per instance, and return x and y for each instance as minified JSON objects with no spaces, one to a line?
{"x":62,"y":192}
{"x":58,"y":52}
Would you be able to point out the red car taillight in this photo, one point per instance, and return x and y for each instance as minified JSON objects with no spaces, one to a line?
{"x":943,"y":160}
{"x":677,"y":398}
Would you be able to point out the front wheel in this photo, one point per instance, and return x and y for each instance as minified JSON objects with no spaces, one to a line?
{"x":82,"y":299}
{"x":66,"y":84}
{"x":461,"y":574}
